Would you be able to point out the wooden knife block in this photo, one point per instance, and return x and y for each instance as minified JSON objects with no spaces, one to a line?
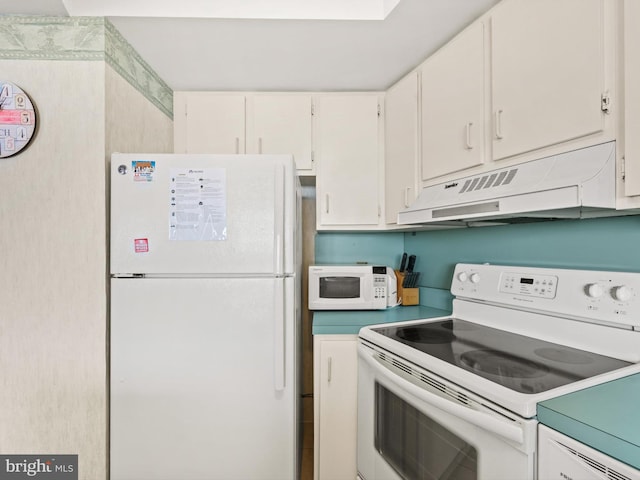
{"x":406,"y":296}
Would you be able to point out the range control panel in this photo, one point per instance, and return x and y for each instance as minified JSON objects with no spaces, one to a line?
{"x":526,"y":284}
{"x":612,"y":297}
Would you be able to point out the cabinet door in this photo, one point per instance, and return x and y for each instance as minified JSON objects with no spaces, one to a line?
{"x":401,"y":146}
{"x":453,"y":105}
{"x":281,"y":123}
{"x":632,"y":97}
{"x":346,"y":145}
{"x":337,"y":375}
{"x":547,"y":73}
{"x":209,"y":123}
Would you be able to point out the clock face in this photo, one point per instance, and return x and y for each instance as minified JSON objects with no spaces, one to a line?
{"x":17,"y":119}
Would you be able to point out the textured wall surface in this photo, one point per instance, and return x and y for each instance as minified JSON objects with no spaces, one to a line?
{"x":53,"y":302}
{"x":54,"y":235}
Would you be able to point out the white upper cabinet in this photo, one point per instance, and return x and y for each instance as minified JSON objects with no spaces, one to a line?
{"x":208,"y":122}
{"x":632,"y":98}
{"x":452,"y":110}
{"x":281,"y":123}
{"x":401,"y":146}
{"x":547,"y":61}
{"x":346,"y":138}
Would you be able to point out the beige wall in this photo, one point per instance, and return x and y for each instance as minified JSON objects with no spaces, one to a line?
{"x":53,"y":256}
{"x":133,"y":123}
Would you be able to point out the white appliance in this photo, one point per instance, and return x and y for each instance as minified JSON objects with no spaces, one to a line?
{"x":576,"y":184}
{"x":205,"y":299}
{"x":352,"y":287}
{"x":455,"y":397}
{"x":560,"y":456}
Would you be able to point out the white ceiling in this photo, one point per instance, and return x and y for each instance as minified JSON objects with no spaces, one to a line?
{"x":291,"y":9}
{"x":286,"y":55}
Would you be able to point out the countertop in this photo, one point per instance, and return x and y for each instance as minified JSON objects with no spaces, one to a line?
{"x":605,"y":417}
{"x":351,"y":321}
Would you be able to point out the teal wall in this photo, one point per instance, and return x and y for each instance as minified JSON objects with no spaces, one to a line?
{"x":598,"y":244}
{"x":383,"y":248}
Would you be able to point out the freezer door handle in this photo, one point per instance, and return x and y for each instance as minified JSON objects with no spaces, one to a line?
{"x":279,"y":350}
{"x":279,"y":220}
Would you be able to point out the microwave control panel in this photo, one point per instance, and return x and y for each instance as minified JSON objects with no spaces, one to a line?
{"x":380,"y":288}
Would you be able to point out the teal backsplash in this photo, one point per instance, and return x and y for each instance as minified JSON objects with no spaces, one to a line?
{"x":347,"y":248}
{"x":597,"y":244}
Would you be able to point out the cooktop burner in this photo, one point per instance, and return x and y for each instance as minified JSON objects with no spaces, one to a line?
{"x":425,"y":334}
{"x":521,"y":363}
{"x":494,"y":362}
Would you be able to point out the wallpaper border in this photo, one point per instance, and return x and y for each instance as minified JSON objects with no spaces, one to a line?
{"x":82,"y":39}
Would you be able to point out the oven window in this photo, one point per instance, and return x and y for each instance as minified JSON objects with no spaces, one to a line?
{"x":416,"y":446}
{"x":339,"y":287}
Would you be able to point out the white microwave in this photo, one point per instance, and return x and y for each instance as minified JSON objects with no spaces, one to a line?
{"x":351,"y":287}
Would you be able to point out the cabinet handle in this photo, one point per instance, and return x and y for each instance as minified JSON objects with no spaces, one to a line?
{"x":237,"y":144}
{"x":260,"y":145}
{"x":326,"y":203}
{"x":499,"y":124}
{"x":468,"y":136}
{"x":406,"y":197}
{"x":329,"y":370}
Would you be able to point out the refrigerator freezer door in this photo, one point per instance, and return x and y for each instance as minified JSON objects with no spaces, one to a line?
{"x":195,"y":387}
{"x":216,"y":215}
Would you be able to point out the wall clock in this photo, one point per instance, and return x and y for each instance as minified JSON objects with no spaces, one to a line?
{"x":17,"y":119}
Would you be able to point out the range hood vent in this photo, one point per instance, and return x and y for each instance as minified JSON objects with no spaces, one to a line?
{"x":577,"y":184}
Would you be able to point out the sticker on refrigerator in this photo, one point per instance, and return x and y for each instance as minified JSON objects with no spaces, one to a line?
{"x":141,"y":245}
{"x":197,"y":204}
{"x":143,"y":170}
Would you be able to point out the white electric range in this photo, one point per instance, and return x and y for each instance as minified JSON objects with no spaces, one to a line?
{"x":455,"y":397}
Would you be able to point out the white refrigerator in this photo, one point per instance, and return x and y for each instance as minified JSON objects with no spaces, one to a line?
{"x":204,"y":320}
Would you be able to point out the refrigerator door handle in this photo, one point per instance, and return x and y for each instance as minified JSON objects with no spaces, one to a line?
{"x":278,"y":243}
{"x":279,"y":344}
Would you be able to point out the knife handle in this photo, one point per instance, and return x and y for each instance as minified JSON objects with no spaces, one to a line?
{"x":412,"y":262}
{"x":403,"y":262}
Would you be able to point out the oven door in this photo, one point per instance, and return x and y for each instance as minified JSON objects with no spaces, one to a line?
{"x":414,"y":425}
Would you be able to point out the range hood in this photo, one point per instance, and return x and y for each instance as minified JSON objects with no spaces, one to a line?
{"x":577,"y":184}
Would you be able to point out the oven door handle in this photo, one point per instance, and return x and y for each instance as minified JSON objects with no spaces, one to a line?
{"x":480,"y":419}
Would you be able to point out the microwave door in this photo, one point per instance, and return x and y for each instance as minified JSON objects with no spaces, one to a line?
{"x":340,"y":287}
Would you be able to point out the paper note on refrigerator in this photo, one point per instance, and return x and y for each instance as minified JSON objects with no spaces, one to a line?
{"x":197,"y":204}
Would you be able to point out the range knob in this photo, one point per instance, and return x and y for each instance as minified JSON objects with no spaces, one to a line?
{"x":594,"y":290}
{"x":475,"y":278}
{"x":462,"y":276}
{"x":621,"y":293}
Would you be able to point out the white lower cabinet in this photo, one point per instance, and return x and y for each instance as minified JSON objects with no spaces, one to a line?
{"x":335,"y":378}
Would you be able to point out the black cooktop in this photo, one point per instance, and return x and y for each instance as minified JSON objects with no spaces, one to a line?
{"x":521,"y":363}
